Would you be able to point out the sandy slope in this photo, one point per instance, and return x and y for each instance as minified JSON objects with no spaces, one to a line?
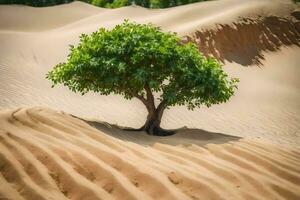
{"x":50,"y":155}
{"x":265,"y":110}
{"x":25,"y":18}
{"x":79,"y":17}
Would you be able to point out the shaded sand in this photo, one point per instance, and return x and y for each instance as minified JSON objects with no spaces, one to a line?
{"x":245,"y":41}
{"x":47,"y":154}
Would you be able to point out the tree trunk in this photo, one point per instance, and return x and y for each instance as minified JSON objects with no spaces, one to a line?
{"x":152,"y":125}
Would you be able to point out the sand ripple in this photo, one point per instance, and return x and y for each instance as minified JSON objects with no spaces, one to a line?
{"x":45,"y":154}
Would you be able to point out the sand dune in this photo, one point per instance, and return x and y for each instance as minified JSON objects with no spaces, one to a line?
{"x":50,"y":155}
{"x":244,"y":42}
{"x":30,"y":19}
{"x":245,"y":149}
{"x":184,"y":20}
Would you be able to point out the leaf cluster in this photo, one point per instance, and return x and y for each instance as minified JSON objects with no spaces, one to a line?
{"x":131,"y":56}
{"x":144,"y":3}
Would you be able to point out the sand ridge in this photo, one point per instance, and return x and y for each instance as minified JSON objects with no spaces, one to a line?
{"x":46,"y":154}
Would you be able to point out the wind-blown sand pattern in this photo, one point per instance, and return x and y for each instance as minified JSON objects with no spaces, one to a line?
{"x":51,"y":155}
{"x":247,"y":148}
{"x":243,"y":42}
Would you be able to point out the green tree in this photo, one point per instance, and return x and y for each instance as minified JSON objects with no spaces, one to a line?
{"x":141,"y":61}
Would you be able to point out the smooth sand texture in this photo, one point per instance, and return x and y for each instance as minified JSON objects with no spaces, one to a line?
{"x":25,"y":18}
{"x":247,"y":148}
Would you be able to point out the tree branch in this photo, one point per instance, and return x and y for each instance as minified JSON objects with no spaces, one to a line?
{"x":150,"y":97}
{"x":140,"y":97}
{"x":162,"y":105}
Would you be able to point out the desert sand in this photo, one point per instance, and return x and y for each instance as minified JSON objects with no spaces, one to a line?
{"x":247,"y":148}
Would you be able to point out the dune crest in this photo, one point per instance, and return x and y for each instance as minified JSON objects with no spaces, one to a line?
{"x":47,"y":154}
{"x":35,"y":19}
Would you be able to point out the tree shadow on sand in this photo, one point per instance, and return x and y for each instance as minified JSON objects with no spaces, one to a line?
{"x":182,"y":136}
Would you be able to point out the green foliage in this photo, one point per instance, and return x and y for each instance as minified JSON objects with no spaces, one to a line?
{"x":144,"y":3}
{"x":35,"y":3}
{"x":105,"y":3}
{"x":170,"y":3}
{"x":125,"y":59}
{"x":110,"y":3}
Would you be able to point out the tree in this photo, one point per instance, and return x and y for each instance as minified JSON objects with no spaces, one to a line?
{"x":141,"y":61}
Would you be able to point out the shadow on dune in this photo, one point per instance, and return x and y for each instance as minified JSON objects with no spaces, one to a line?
{"x":244,"y":42}
{"x":183,"y":136}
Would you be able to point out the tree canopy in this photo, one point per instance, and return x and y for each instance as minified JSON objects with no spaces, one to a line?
{"x":138,"y":60}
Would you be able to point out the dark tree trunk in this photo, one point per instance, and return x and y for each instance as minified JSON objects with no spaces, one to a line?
{"x":152,"y":124}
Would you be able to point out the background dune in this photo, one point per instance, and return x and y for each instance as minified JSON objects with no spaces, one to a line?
{"x":31,"y":19}
{"x":258,"y":42}
{"x":243,"y":42}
